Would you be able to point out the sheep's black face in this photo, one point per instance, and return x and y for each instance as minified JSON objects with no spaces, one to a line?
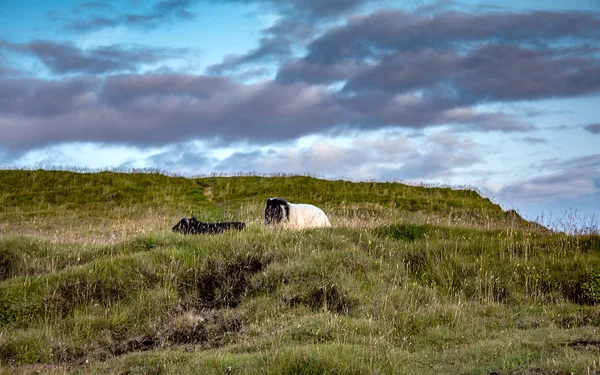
{"x":277,"y":209}
{"x":186,"y":226}
{"x":273,"y":214}
{"x":182,"y":226}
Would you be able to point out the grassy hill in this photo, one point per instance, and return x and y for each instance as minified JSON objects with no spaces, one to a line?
{"x":410,"y":280}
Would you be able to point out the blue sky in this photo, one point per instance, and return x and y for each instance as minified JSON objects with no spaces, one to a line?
{"x":502,"y":98}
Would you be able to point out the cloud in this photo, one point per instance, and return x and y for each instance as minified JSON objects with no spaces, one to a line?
{"x":157,"y":109}
{"x":488,"y":73}
{"x":587,"y":161}
{"x":445,"y":155}
{"x":504,"y":73}
{"x":318,"y":8}
{"x":403,"y":72}
{"x":189,"y":158}
{"x":307,"y":9}
{"x":427,"y":109}
{"x":92,"y":5}
{"x":388,"y":156}
{"x":28,"y":98}
{"x":324,"y":154}
{"x":569,"y":178}
{"x":593,"y":128}
{"x":477,"y":58}
{"x":300,"y":70}
{"x":162,"y":12}
{"x":387,"y":69}
{"x":169,"y":11}
{"x":378,"y":33}
{"x":534,"y":140}
{"x":400,"y":68}
{"x":275,"y":46}
{"x":66,"y":58}
{"x":7,"y":70}
{"x":546,"y":188}
{"x":270,"y":49}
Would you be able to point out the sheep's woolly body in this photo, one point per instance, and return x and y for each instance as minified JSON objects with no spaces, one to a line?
{"x":306,"y":216}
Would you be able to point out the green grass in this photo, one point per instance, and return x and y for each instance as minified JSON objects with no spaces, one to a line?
{"x":410,"y":280}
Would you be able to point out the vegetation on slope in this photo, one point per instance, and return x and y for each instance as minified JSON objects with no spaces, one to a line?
{"x":409,"y":280}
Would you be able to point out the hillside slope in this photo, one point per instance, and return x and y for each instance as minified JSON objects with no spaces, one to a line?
{"x":409,"y":280}
{"x":55,"y":201}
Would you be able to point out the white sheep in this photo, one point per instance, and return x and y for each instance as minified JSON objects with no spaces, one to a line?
{"x":280,"y":212}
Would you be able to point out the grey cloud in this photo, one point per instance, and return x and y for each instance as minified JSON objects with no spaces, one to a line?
{"x":275,"y":46}
{"x":255,"y":161}
{"x":431,"y":108}
{"x":180,"y":10}
{"x":159,"y":109}
{"x":489,"y":73}
{"x":6,"y":158}
{"x":587,"y":161}
{"x":95,"y":23}
{"x":568,"y":178}
{"x":324,"y":157}
{"x":33,"y":98}
{"x":381,"y":155}
{"x":319,"y":8}
{"x":566,"y":183}
{"x":55,"y":158}
{"x":269,"y":49}
{"x":249,"y":74}
{"x":293,"y":30}
{"x":217,"y":107}
{"x":92,"y":5}
{"x":156,"y":109}
{"x":299,"y":70}
{"x":405,"y":72}
{"x":562,"y":127}
{"x":445,"y":154}
{"x":472,"y":58}
{"x":180,"y":158}
{"x":7,"y":70}
{"x":534,"y":140}
{"x":439,"y":6}
{"x":593,"y":128}
{"x":388,"y":157}
{"x":568,"y":214}
{"x":64,"y":58}
{"x":308,"y":9}
{"x":397,"y":30}
{"x":162,"y":12}
{"x":434,"y":165}
{"x":513,"y":73}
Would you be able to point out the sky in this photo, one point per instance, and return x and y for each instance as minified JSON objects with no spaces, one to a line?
{"x":502,"y":97}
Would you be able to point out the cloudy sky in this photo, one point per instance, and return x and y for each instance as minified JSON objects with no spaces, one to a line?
{"x":501,"y":96}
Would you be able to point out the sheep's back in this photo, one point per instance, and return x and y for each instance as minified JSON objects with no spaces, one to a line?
{"x":307,"y":216}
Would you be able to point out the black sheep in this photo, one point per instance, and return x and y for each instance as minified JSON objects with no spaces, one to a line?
{"x":193,"y":226}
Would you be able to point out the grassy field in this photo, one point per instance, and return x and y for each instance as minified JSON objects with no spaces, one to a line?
{"x":410,"y":280}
